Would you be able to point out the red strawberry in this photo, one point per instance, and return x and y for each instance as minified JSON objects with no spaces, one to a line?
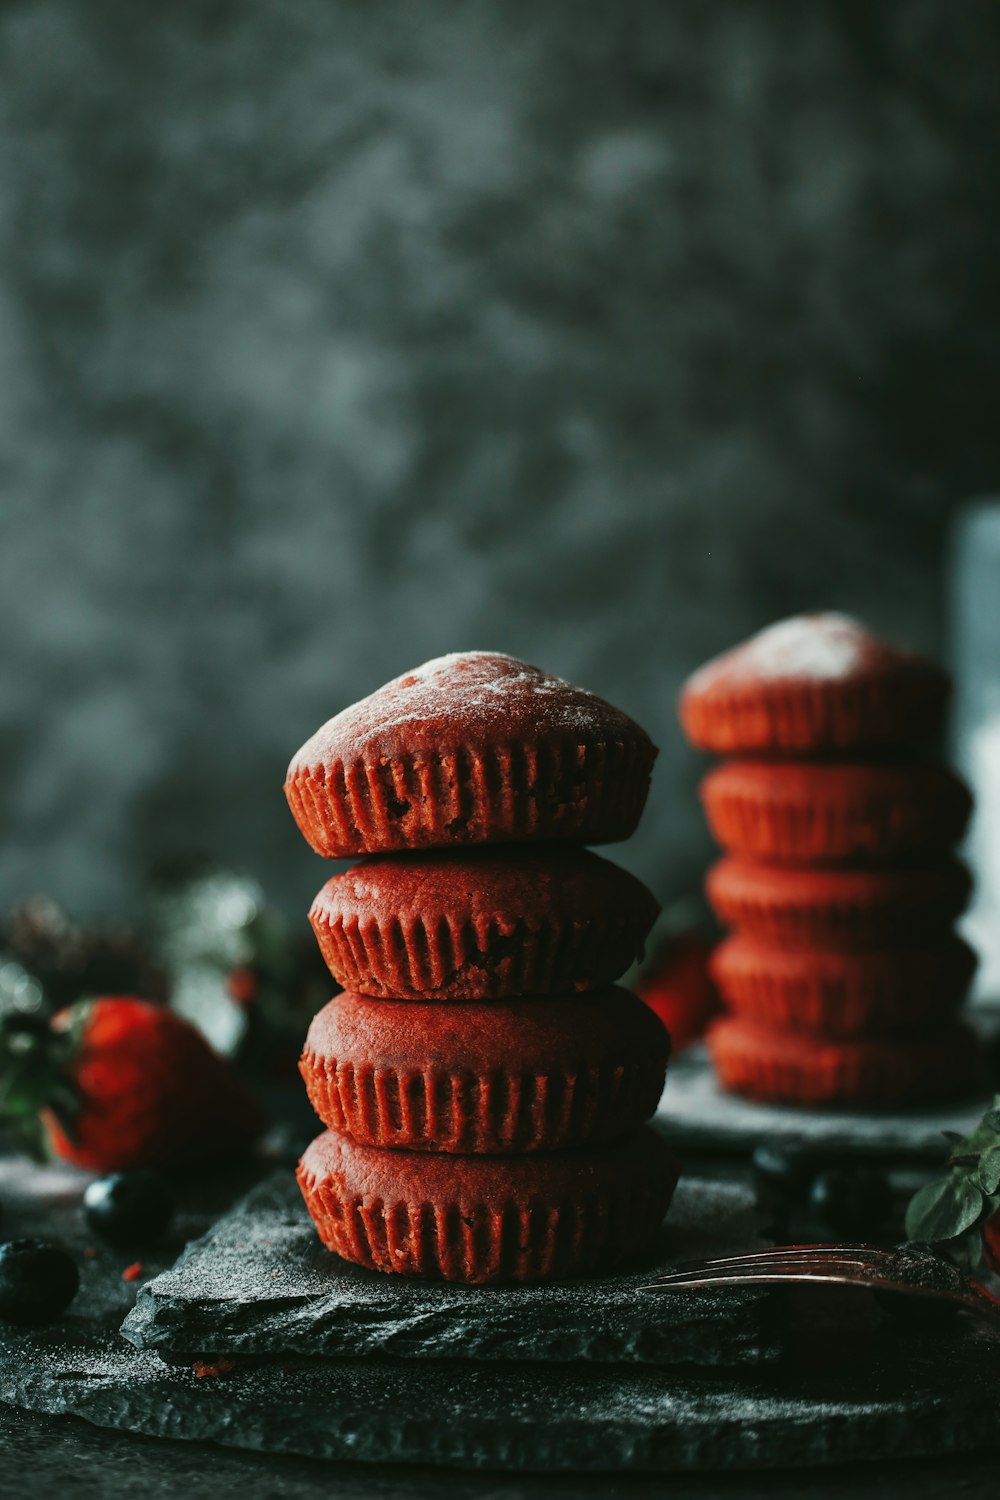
{"x":991,"y":1242}
{"x":679,"y":988}
{"x":122,"y":1083}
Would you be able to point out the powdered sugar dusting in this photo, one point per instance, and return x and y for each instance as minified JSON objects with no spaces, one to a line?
{"x":828,"y":645}
{"x":467,"y":693}
{"x":822,"y":646}
{"x":473,"y":682}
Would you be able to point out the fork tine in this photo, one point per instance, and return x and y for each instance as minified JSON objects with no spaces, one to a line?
{"x":860,"y":1270}
{"x":873,"y":1267}
{"x":781,"y":1272}
{"x":772,"y":1252}
{"x":792,"y":1255}
{"x":777,"y":1276}
{"x":782,"y":1265}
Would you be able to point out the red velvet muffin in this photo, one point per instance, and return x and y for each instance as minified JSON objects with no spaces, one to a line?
{"x":478,"y":1219}
{"x":514,"y":1075}
{"x":812,"y":685}
{"x":456,"y":924}
{"x":893,"y":991}
{"x":779,"y":1067}
{"x":807,"y":813}
{"x":472,"y":748}
{"x":853,"y":909}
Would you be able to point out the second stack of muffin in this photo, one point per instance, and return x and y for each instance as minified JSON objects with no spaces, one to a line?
{"x":483,"y":1083}
{"x":842,"y":974}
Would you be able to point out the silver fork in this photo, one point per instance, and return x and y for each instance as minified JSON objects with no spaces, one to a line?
{"x":911,"y":1269}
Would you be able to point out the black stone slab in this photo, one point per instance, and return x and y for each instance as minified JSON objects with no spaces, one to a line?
{"x":852,"y":1393}
{"x":260,"y":1282}
{"x":695,"y":1114}
{"x":849,"y":1385}
{"x":58,"y":1451}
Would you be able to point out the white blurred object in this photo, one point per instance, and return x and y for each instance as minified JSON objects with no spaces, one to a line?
{"x":975,"y":640}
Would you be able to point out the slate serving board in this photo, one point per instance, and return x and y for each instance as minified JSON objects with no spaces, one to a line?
{"x":695,"y":1114}
{"x":260,"y":1282}
{"x":876,"y":1396}
{"x":849,"y":1385}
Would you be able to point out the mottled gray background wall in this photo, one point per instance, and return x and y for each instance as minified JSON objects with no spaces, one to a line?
{"x":337,"y":335}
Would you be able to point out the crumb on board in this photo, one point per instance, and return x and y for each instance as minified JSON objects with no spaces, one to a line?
{"x":213,"y":1369}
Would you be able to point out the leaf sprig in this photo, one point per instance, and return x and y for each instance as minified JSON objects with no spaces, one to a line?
{"x":35,"y":1067}
{"x":954,"y":1208}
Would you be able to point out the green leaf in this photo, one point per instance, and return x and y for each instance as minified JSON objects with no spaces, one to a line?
{"x":943,"y":1210}
{"x":991,"y":1119}
{"x":954,"y":1136}
{"x":989,"y":1170}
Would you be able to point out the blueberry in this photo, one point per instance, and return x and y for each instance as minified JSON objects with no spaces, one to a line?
{"x":782,"y":1172}
{"x":849,"y":1201}
{"x":38,"y":1281}
{"x":128,"y":1207}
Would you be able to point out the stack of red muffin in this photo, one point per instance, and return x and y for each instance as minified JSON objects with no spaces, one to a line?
{"x":842,"y":976}
{"x":483,"y":1082}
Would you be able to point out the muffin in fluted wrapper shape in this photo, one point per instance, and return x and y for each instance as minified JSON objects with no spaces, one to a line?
{"x":482,"y":924}
{"x":481,"y":1219}
{"x":472,"y":748}
{"x":513,"y":1075}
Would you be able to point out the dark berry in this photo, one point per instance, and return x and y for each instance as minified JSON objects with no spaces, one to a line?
{"x":129,"y":1207}
{"x":38,"y":1281}
{"x":849,"y":1200}
{"x":782,"y":1172}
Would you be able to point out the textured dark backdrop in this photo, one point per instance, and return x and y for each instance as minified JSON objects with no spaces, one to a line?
{"x":338,"y":335}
